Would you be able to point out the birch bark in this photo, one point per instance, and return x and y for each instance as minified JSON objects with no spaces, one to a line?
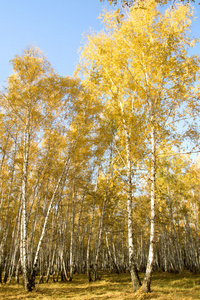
{"x":23,"y":236}
{"x":149,"y":269}
{"x":71,"y":255}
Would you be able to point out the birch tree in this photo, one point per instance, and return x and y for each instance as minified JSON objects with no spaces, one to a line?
{"x":31,"y":98}
{"x":141,"y":65}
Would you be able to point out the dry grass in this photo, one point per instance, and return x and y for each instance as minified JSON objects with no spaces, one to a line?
{"x":164,"y":287}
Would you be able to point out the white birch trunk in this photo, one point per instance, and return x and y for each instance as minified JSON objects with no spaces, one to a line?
{"x":149,"y":269}
{"x":23,"y":241}
{"x":71,"y":255}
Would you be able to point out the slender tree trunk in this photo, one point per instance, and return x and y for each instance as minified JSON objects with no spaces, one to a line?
{"x":88,"y":242}
{"x":123,"y":265}
{"x":99,"y":237}
{"x":149,"y":269}
{"x":178,"y":252}
{"x":17,"y":271}
{"x":71,"y":256}
{"x":15,"y":245}
{"x":23,"y":239}
{"x":115,"y":254}
{"x":111,"y":255}
{"x":7,"y":222}
{"x":51,"y":250}
{"x":78,"y":239}
{"x":132,"y":266}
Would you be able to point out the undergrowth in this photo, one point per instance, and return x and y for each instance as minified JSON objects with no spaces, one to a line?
{"x":164,"y":286}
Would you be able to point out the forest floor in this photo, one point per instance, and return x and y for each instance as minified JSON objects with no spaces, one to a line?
{"x":165,"y":286}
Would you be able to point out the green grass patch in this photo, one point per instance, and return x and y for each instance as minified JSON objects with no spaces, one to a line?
{"x":164,"y":286}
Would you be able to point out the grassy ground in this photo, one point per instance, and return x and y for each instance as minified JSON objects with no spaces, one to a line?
{"x":164,"y":286}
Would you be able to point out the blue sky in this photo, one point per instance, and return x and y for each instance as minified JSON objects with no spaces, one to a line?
{"x":56,"y":27}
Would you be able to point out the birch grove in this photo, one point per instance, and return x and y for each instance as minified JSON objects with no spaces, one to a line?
{"x":94,"y":172}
